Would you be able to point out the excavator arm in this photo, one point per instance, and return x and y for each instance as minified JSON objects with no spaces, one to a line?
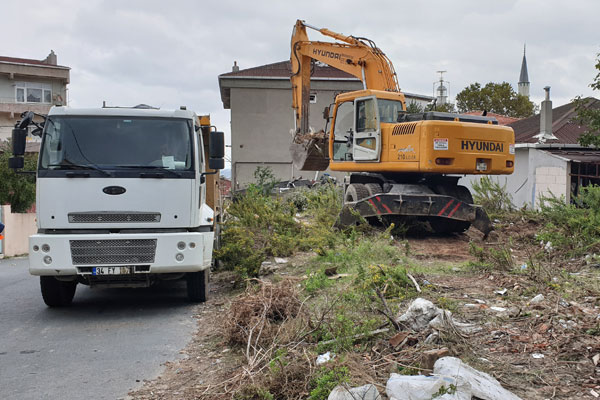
{"x":359,"y":57}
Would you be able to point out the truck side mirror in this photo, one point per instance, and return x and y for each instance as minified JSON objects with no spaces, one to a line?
{"x":216,"y":150}
{"x":19,"y":137}
{"x":326,"y":113}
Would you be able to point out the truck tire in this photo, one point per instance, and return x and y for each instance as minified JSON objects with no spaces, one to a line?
{"x":373,"y":188}
{"x":356,"y":192}
{"x":197,"y":286}
{"x":57,"y":293}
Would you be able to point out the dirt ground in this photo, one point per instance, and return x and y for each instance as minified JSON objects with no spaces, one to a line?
{"x":538,"y":350}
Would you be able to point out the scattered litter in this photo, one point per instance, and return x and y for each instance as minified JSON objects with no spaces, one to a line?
{"x":331,"y":271}
{"x":479,"y":301}
{"x":482,"y":385}
{"x":323,"y":358}
{"x":266,"y":263}
{"x":523,"y":267}
{"x":498,"y":309}
{"x":537,"y":355}
{"x":344,"y":392}
{"x":281,"y":260}
{"x":422,"y":314}
{"x":501,"y":292}
{"x":596,"y":359}
{"x":594,"y":393}
{"x":548,"y":246}
{"x":537,"y":299}
{"x":426,"y":282}
{"x":563,"y":303}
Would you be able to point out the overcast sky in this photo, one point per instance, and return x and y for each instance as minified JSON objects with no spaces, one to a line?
{"x":170,"y":53}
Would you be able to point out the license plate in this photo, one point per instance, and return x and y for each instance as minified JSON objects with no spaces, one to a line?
{"x":481,"y":166}
{"x":111,"y":270}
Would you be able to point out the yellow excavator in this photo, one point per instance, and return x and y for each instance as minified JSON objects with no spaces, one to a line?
{"x":402,"y":165}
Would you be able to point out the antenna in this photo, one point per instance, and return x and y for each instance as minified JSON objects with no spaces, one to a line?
{"x":441,"y":93}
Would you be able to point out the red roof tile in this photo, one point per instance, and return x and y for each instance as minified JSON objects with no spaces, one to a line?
{"x":502,"y":119}
{"x":564,"y":125}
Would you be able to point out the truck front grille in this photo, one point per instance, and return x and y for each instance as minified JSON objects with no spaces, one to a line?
{"x":115,"y":251}
{"x":112,"y":217}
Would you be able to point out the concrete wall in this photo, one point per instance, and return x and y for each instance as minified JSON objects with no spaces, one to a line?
{"x":261,"y":124}
{"x":17,"y":231}
{"x":537,"y":173}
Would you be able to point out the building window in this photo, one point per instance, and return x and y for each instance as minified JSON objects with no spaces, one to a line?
{"x":30,"y":92}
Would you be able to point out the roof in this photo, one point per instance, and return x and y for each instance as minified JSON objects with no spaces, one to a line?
{"x":585,"y":156}
{"x":502,"y":119}
{"x":28,"y":61}
{"x":283,"y":69}
{"x":564,"y":124}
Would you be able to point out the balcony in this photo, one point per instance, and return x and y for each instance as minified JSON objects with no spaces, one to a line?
{"x":9,"y":105}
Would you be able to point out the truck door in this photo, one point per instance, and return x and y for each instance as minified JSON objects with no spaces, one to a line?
{"x":367,"y":132}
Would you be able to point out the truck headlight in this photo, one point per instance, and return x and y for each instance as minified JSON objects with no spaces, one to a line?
{"x":45,"y":248}
{"x":181,"y":245}
{"x":47,"y":260}
{"x":179,"y":257}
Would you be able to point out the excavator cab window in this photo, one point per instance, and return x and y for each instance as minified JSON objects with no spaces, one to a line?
{"x":343,"y":132}
{"x":366,"y":117}
{"x":389,"y":110}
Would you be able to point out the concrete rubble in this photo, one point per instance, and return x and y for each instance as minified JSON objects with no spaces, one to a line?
{"x":344,"y":392}
{"x":422,"y":314}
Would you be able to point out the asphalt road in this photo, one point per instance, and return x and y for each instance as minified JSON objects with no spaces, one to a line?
{"x":105,"y":344}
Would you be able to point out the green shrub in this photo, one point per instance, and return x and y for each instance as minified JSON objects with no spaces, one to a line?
{"x":574,"y":227}
{"x":327,"y":378}
{"x":18,"y":190}
{"x":492,"y":196}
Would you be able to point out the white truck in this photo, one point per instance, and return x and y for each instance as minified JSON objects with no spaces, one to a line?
{"x":124,"y":198}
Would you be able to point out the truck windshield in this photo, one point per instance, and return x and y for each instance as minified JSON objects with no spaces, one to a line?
{"x":88,"y":142}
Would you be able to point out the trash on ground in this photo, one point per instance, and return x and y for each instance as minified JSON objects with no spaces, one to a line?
{"x":482,"y":385}
{"x":323,"y":358}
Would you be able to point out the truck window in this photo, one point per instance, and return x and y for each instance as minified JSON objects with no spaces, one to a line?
{"x":366,"y":117}
{"x":116,"y":142}
{"x":342,"y":131}
{"x":389,"y":110}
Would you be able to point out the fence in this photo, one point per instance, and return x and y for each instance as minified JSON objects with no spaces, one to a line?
{"x":18,"y":228}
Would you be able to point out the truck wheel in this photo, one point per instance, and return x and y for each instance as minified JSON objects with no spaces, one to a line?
{"x":356,"y":192}
{"x":197,"y":286}
{"x":373,"y":188}
{"x":57,"y":293}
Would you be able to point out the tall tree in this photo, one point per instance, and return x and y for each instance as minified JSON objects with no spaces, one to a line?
{"x":499,"y":98}
{"x":589,"y":116}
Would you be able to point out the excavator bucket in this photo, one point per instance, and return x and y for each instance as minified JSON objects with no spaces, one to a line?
{"x":310,"y":152}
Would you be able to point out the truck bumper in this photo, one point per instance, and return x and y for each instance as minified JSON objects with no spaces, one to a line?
{"x":422,"y":205}
{"x":155,"y":253}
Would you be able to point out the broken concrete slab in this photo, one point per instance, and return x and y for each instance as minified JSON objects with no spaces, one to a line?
{"x":483,"y":386}
{"x":344,"y":392}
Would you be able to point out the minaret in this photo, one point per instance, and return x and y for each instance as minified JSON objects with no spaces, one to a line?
{"x":524,"y":78}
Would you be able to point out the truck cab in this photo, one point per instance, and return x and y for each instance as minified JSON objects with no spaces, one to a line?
{"x":122,"y":200}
